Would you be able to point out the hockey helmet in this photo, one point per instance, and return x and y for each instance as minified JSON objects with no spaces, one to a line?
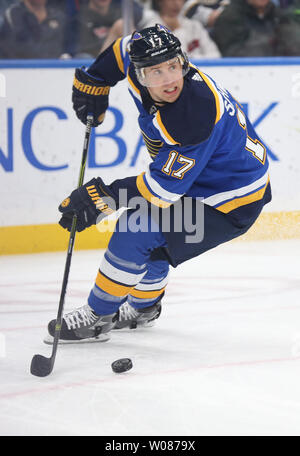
{"x":153,"y":46}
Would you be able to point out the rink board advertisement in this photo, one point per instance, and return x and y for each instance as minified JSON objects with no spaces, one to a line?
{"x":41,"y":144}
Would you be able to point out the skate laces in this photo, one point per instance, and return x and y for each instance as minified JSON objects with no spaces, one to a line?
{"x":127,"y":312}
{"x":81,"y":316}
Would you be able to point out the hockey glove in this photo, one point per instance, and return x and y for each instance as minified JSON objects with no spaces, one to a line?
{"x":90,"y":202}
{"x":89,"y":96}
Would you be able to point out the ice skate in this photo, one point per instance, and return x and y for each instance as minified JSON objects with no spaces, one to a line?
{"x":82,"y":325}
{"x":129,"y":317}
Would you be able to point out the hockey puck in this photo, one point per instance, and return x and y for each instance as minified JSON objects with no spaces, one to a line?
{"x":121,"y":365}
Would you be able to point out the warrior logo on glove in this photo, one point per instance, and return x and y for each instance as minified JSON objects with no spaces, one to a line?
{"x":90,"y":95}
{"x":65,"y":202}
{"x":99,"y":203}
{"x":90,"y":89}
{"x":91,"y":203}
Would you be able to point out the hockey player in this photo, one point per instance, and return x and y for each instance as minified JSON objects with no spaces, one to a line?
{"x":202,"y":145}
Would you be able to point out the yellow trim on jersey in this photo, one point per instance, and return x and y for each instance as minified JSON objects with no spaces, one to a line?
{"x":153,"y":145}
{"x":243,"y":200}
{"x":132,"y":84}
{"x":212,"y":88}
{"x":210,"y":85}
{"x":142,"y":188}
{"x":111,"y":287}
{"x":118,"y":55}
{"x":165,"y":132}
{"x":152,"y":140}
{"x":152,"y":149}
{"x":146,"y":294}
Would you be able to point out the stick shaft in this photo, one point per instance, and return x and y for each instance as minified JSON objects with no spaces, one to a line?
{"x":71,"y":242}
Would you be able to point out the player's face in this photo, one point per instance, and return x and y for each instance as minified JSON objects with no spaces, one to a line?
{"x":165,"y":80}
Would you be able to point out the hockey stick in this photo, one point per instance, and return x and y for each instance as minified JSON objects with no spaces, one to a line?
{"x":41,"y":366}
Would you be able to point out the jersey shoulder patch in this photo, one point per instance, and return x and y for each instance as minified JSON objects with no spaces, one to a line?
{"x":190,"y":119}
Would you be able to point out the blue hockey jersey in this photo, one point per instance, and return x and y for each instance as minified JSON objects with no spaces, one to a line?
{"x":202,"y":145}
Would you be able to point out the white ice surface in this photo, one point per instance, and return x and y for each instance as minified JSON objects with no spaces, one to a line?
{"x":223,"y":359}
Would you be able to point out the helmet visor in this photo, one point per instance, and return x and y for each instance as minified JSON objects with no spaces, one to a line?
{"x":163,"y":73}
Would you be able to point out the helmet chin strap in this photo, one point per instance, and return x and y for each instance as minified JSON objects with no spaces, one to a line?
{"x":157,"y":103}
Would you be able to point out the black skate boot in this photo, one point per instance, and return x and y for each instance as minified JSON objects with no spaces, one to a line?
{"x":82,"y":325}
{"x":129,"y":317}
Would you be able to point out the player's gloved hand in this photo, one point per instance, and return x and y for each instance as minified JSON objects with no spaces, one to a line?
{"x":90,"y":202}
{"x":89,"y":96}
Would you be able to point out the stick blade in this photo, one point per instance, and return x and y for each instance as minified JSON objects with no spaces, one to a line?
{"x":41,"y":366}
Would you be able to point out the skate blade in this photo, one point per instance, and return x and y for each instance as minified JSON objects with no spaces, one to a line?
{"x":101,"y":338}
{"x":148,"y":324}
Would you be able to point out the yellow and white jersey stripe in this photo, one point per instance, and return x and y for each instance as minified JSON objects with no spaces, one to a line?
{"x":119,"y":50}
{"x":218,"y":97}
{"x":153,"y":145}
{"x":149,"y":290}
{"x":112,"y":287}
{"x":158,"y":123}
{"x":216,"y":92}
{"x":135,"y":92}
{"x":153,"y":192}
{"x":152,"y":286}
{"x":122,"y":276}
{"x":232,"y":199}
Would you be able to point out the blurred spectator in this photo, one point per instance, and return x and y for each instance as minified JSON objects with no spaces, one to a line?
{"x":3,"y":5}
{"x":289,"y":32}
{"x":283,"y":3}
{"x":256,"y":28}
{"x":94,"y":21}
{"x":195,"y":40}
{"x":204,"y":11}
{"x":31,"y":29}
{"x":293,"y":10}
{"x":116,"y":31}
